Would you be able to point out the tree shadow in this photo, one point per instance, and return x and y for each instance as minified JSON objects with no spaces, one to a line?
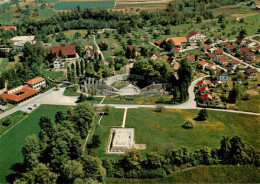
{"x":18,"y":168}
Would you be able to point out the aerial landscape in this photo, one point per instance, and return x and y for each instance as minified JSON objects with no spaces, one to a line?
{"x":129,"y":91}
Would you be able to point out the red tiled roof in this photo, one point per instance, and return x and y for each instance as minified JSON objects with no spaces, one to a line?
{"x":202,"y":63}
{"x":26,"y":90}
{"x":101,"y":43}
{"x":231,"y":47}
{"x":88,"y":47}
{"x":223,"y":59}
{"x":204,"y":88}
{"x":239,"y":40}
{"x":191,"y":58}
{"x":218,"y":51}
{"x":201,"y":82}
{"x":158,"y":42}
{"x":235,"y":62}
{"x":211,"y":55}
{"x":244,"y":50}
{"x":251,"y":54}
{"x":206,"y":96}
{"x":210,"y":65}
{"x":8,"y":28}
{"x":175,"y":50}
{"x":34,"y":80}
{"x":239,"y":79}
{"x":220,"y":72}
{"x":67,"y":50}
{"x":224,"y":43}
{"x":192,"y":33}
{"x":178,"y":41}
{"x":207,"y":47}
{"x":132,"y":47}
{"x":252,"y":70}
{"x":156,"y":54}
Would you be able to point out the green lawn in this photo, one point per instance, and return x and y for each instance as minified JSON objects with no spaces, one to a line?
{"x":159,"y":130}
{"x":120,"y":84}
{"x":204,"y":174}
{"x":67,"y":5}
{"x":15,"y":118}
{"x":195,"y":52}
{"x":12,"y":142}
{"x":57,"y":76}
{"x":71,"y":91}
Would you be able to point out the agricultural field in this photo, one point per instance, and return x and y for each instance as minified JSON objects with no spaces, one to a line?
{"x":161,"y":130}
{"x":67,"y":5}
{"x":56,"y":76}
{"x":13,"y":141}
{"x":141,"y":4}
{"x":204,"y":174}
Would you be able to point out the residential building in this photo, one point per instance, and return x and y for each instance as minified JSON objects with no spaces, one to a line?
{"x":204,"y":90}
{"x":178,"y":41}
{"x":221,"y":60}
{"x":9,"y":28}
{"x":243,"y":50}
{"x":175,"y":51}
{"x":239,"y":81}
{"x":206,"y":48}
{"x":206,"y":98}
{"x":158,"y":43}
{"x":58,"y":63}
{"x":195,"y":36}
{"x":201,"y":83}
{"x":154,"y":56}
{"x":250,"y":56}
{"x":36,"y":82}
{"x":218,"y":52}
{"x":202,"y":65}
{"x":210,"y":56}
{"x":252,"y":72}
{"x":191,"y":58}
{"x":68,"y":51}
{"x":240,"y":40}
{"x":222,"y":76}
{"x":19,"y":41}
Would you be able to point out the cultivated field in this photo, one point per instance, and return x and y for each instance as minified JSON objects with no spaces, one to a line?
{"x":67,"y":5}
{"x":142,"y":4}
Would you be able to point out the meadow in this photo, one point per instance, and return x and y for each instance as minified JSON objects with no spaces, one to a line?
{"x":67,"y":5}
{"x":12,"y":142}
{"x":204,"y":174}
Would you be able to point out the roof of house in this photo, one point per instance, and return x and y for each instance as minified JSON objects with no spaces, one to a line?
{"x":204,"y":88}
{"x":211,"y":55}
{"x":177,"y":40}
{"x":207,"y":47}
{"x":66,"y":50}
{"x":218,"y":51}
{"x":156,"y":54}
{"x":239,"y":40}
{"x":94,"y":53}
{"x":251,"y":54}
{"x":35,"y":80}
{"x":101,"y":43}
{"x":206,"y":96}
{"x":239,"y":79}
{"x":175,"y":50}
{"x":210,"y":66}
{"x":244,"y":50}
{"x":221,"y":72}
{"x":88,"y":47}
{"x":20,"y":95}
{"x":223,"y":59}
{"x":231,"y":47}
{"x":8,"y":28}
{"x":235,"y":62}
{"x":201,"y":82}
{"x":192,"y":33}
{"x":202,"y":63}
{"x":252,"y":70}
{"x":224,"y":43}
{"x":158,"y":42}
{"x":191,"y":58}
{"x":132,"y":47}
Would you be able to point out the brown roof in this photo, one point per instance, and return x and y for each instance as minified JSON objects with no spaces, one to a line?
{"x":202,"y":63}
{"x":177,"y":40}
{"x":206,"y":96}
{"x":235,"y":62}
{"x":223,"y":59}
{"x":192,"y":33}
{"x":175,"y":50}
{"x":220,"y":72}
{"x":132,"y":47}
{"x":201,"y":82}
{"x":156,"y":54}
{"x":224,"y":43}
{"x":218,"y":51}
{"x":251,"y":54}
{"x":35,"y":80}
{"x":211,"y":55}
{"x":101,"y":43}
{"x":25,"y":92}
{"x":158,"y":42}
{"x":191,"y":58}
{"x":207,"y":47}
{"x":239,"y":40}
{"x":244,"y":50}
{"x":231,"y":47}
{"x":8,"y":28}
{"x":204,"y":88}
{"x":252,"y":70}
{"x":67,"y":50}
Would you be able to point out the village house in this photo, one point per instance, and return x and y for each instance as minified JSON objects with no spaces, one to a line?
{"x":234,"y":63}
{"x":250,"y":73}
{"x":240,"y":40}
{"x":206,"y":98}
{"x":222,"y":76}
{"x":9,"y":28}
{"x":133,"y":49}
{"x":154,"y":56}
{"x":89,"y":48}
{"x":250,"y":56}
{"x":218,"y":52}
{"x":101,"y":43}
{"x":201,"y":83}
{"x":204,"y":90}
{"x":36,"y":82}
{"x":158,"y":43}
{"x":202,"y":65}
{"x":210,"y":56}
{"x":223,"y":44}
{"x":177,"y":41}
{"x":20,"y":41}
{"x":243,"y":50}
{"x":206,"y":48}
{"x":250,"y":44}
{"x":210,"y":67}
{"x":191,"y":58}
{"x":69,"y":51}
{"x":58,"y":64}
{"x":195,"y":36}
{"x":239,"y":81}
{"x":229,"y":48}
{"x":221,"y":60}
{"x":174,"y":51}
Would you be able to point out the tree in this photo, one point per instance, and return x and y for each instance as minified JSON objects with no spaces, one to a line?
{"x":199,"y":19}
{"x":233,"y":94}
{"x":46,"y":126}
{"x":243,"y":33}
{"x":72,"y":170}
{"x":59,"y":117}
{"x":106,"y":109}
{"x":82,"y":98}
{"x":143,"y":51}
{"x":82,"y":67}
{"x":153,"y":160}
{"x":190,"y":124}
{"x":77,"y":35}
{"x":170,"y":45}
{"x":208,"y":41}
{"x":42,"y":174}
{"x":203,"y":114}
{"x":77,"y":68}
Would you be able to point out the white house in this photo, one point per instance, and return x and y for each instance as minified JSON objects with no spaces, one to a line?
{"x":195,"y":36}
{"x":19,"y":41}
{"x":36,"y":82}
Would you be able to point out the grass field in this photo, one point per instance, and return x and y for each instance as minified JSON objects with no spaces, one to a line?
{"x":195,"y":52}
{"x":158,"y":130}
{"x":3,"y":65}
{"x":12,"y":142}
{"x":56,"y":76}
{"x":204,"y":174}
{"x":67,"y":5}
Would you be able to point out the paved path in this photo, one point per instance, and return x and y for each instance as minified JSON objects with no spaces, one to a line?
{"x":235,"y":58}
{"x":124,"y":118}
{"x":99,"y":51}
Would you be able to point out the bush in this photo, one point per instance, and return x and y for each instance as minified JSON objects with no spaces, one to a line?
{"x":106,"y":109}
{"x":190,"y":124}
{"x":203,"y":114}
{"x":7,"y":122}
{"x":159,"y":108}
